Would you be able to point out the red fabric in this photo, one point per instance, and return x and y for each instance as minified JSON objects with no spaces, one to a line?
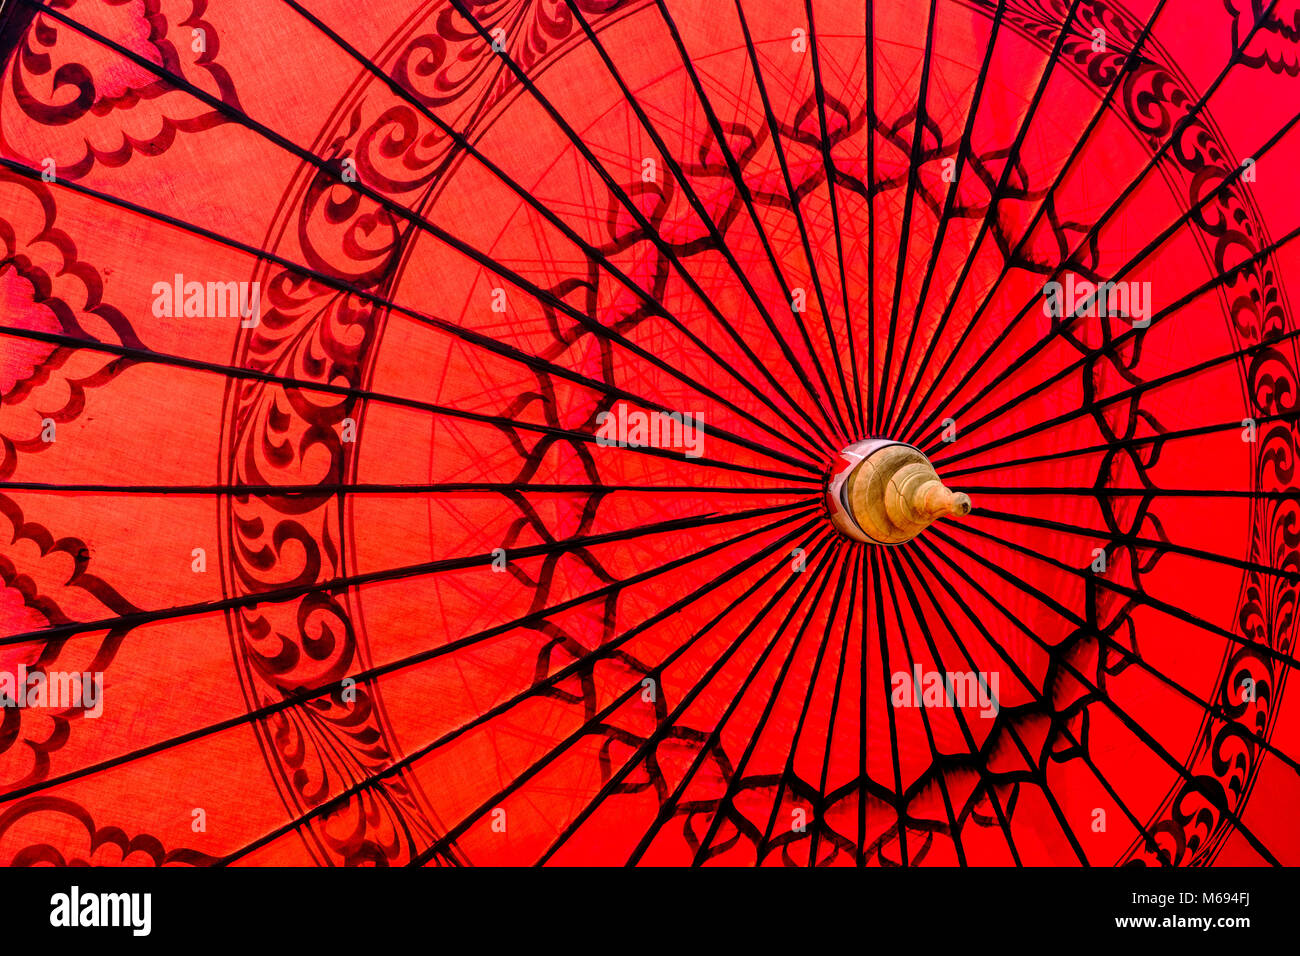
{"x":361,"y":583}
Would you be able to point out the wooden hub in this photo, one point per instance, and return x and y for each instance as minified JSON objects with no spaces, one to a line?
{"x":888,"y":492}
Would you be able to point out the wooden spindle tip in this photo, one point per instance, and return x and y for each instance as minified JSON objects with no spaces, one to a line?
{"x":893,"y":494}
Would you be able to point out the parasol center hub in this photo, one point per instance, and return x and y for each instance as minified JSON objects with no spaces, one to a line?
{"x":888,"y":492}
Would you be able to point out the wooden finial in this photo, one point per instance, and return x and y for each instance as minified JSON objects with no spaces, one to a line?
{"x":891,"y":494}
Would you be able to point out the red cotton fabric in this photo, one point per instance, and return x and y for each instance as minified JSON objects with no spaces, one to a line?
{"x":330,"y":338}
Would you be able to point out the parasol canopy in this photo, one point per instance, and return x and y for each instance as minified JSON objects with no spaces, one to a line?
{"x":648,"y":431}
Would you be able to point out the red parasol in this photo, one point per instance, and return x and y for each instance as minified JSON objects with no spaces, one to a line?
{"x":658,"y":432}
